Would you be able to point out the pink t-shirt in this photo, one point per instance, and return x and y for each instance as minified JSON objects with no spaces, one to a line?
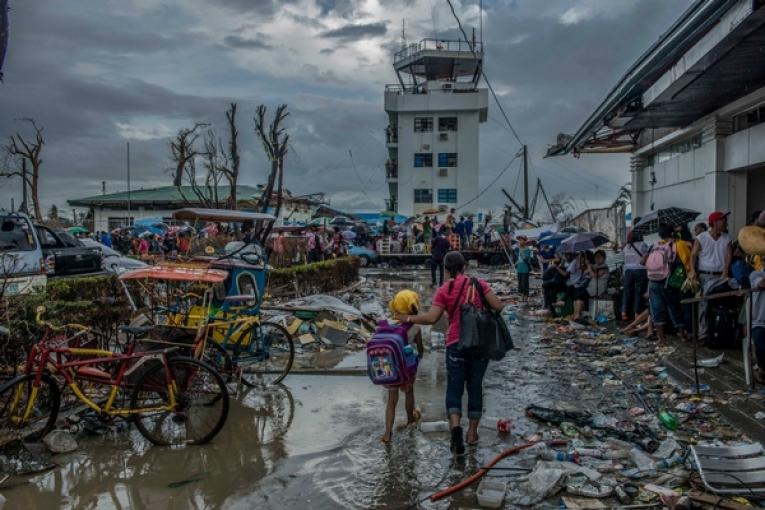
{"x":446,"y":297}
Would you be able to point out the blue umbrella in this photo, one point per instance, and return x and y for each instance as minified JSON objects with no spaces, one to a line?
{"x":553,"y":239}
{"x":583,"y":241}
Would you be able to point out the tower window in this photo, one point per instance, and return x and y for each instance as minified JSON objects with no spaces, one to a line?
{"x":423,"y":196}
{"x":423,"y":124}
{"x":423,"y":159}
{"x":447,"y":196}
{"x":447,"y":123}
{"x":447,"y":159}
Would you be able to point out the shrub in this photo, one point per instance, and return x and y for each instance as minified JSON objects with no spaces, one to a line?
{"x":319,"y":277}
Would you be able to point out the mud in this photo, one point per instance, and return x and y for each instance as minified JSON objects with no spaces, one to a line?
{"x":313,"y":443}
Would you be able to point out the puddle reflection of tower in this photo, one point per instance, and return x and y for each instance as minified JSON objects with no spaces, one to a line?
{"x":434,"y":114}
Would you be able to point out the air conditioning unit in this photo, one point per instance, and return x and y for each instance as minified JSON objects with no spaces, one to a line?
{"x":443,"y":172}
{"x":444,"y":137}
{"x":442,"y":208}
{"x":426,"y":147}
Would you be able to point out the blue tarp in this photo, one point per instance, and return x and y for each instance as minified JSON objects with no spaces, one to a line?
{"x":153,"y":225}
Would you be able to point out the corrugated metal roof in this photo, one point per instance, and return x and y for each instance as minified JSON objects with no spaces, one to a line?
{"x":164,"y":194}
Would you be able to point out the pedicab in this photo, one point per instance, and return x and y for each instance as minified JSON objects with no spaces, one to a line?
{"x":214,"y":303}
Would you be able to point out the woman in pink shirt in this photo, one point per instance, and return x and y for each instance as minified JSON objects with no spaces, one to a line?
{"x":464,"y":369}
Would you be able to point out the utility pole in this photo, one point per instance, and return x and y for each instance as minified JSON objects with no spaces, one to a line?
{"x":526,"y":183}
{"x":128,"y":185}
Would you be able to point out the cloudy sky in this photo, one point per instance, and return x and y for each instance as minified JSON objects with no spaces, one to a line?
{"x":99,"y":73}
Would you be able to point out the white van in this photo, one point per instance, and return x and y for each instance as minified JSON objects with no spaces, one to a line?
{"x":22,"y":265}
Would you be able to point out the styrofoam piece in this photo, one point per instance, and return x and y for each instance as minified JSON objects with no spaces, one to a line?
{"x":491,"y":493}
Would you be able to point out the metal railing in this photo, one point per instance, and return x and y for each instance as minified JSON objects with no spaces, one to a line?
{"x":437,"y":45}
{"x":694,"y":302}
{"x":391,"y":134}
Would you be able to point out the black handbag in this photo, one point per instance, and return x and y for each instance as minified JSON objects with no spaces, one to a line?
{"x":483,"y":332}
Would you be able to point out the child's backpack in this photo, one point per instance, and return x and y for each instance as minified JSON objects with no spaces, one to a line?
{"x":658,"y":262}
{"x":390,"y":358}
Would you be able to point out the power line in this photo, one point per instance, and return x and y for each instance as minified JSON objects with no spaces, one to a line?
{"x":355,"y":170}
{"x":483,"y":73}
{"x":491,"y":183}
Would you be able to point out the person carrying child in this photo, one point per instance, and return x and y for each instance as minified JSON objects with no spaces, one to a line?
{"x":406,"y":302}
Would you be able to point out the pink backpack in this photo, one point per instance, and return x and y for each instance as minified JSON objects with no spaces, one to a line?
{"x":391,"y":361}
{"x":659,"y":261}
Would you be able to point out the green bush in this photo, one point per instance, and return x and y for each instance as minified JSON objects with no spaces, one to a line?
{"x":319,"y":277}
{"x":97,"y":301}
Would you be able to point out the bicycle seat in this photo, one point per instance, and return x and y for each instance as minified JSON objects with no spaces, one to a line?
{"x":136,"y":330}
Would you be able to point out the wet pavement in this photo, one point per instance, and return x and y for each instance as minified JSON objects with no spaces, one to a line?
{"x":313,"y":443}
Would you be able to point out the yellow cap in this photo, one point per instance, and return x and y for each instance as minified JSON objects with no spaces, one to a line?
{"x":405,"y":302}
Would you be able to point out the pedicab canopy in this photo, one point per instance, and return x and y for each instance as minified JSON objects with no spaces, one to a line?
{"x":176,"y":273}
{"x":200,"y":214}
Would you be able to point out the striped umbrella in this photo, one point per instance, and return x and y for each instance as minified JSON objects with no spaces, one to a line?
{"x":672,"y":216}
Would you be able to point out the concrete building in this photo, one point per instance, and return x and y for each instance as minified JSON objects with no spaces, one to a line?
{"x":691,"y":112}
{"x":109,"y":211}
{"x":434,"y":114}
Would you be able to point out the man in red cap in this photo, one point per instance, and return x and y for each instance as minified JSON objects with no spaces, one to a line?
{"x":711,"y":255}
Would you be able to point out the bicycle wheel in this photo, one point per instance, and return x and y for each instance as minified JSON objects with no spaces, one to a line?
{"x":270,"y":357}
{"x":20,"y":419}
{"x":218,"y":358}
{"x":201,"y":403}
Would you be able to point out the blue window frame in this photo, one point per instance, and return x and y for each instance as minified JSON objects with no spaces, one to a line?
{"x":447,"y":159}
{"x":447,"y":196}
{"x":423,"y":159}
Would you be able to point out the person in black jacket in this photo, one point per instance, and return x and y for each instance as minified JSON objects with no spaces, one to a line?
{"x":438,"y":248}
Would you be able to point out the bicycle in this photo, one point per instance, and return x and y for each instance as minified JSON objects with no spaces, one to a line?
{"x":174,"y":400}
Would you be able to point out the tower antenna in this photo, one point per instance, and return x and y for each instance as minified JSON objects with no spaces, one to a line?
{"x":480,"y":22}
{"x":403,"y":33}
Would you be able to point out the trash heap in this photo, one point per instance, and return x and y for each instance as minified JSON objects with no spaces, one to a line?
{"x":632,"y":446}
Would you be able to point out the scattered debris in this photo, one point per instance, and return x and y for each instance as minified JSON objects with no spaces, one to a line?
{"x":60,"y":441}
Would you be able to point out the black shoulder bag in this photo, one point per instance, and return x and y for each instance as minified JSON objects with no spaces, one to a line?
{"x":483,"y":332}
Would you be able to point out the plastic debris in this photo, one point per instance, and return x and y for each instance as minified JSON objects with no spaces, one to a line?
{"x":711,"y":362}
{"x":60,"y":441}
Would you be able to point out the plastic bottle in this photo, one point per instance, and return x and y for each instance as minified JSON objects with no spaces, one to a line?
{"x":434,"y":426}
{"x":502,"y":425}
{"x":550,"y":454}
{"x":665,"y":464}
{"x":668,"y":420}
{"x":641,"y":460}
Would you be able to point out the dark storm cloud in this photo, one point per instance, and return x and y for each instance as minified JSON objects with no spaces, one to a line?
{"x":260,"y":7}
{"x":356,"y":32}
{"x":236,"y":41}
{"x":99,"y":68}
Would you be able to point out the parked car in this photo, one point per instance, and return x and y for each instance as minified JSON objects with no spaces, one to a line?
{"x":112,"y":260}
{"x":65,"y":254}
{"x":366,"y":255}
{"x":22,"y":264}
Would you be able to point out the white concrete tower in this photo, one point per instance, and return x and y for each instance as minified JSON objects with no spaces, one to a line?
{"x":434,"y":114}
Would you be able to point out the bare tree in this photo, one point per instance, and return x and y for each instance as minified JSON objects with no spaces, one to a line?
{"x":275,"y":141}
{"x":562,"y":206}
{"x":184,"y":151}
{"x":232,"y":168}
{"x":20,"y":149}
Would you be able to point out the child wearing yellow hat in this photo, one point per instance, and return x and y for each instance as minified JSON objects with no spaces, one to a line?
{"x":406,"y":302}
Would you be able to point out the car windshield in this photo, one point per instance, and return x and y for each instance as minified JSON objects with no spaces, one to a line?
{"x":16,"y":234}
{"x":68,"y":239}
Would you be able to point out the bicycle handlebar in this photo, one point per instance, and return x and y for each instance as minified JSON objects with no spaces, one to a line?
{"x":45,"y":324}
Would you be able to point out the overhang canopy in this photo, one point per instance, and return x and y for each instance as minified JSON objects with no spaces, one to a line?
{"x":711,"y":56}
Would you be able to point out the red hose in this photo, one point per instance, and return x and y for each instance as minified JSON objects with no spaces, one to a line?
{"x":479,"y":474}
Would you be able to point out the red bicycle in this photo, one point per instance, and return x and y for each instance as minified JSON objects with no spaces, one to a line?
{"x":173,"y":400}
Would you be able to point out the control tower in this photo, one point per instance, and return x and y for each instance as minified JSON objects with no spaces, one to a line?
{"x":434,"y":114}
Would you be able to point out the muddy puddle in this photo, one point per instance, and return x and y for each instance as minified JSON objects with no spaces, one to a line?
{"x":312,"y":443}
